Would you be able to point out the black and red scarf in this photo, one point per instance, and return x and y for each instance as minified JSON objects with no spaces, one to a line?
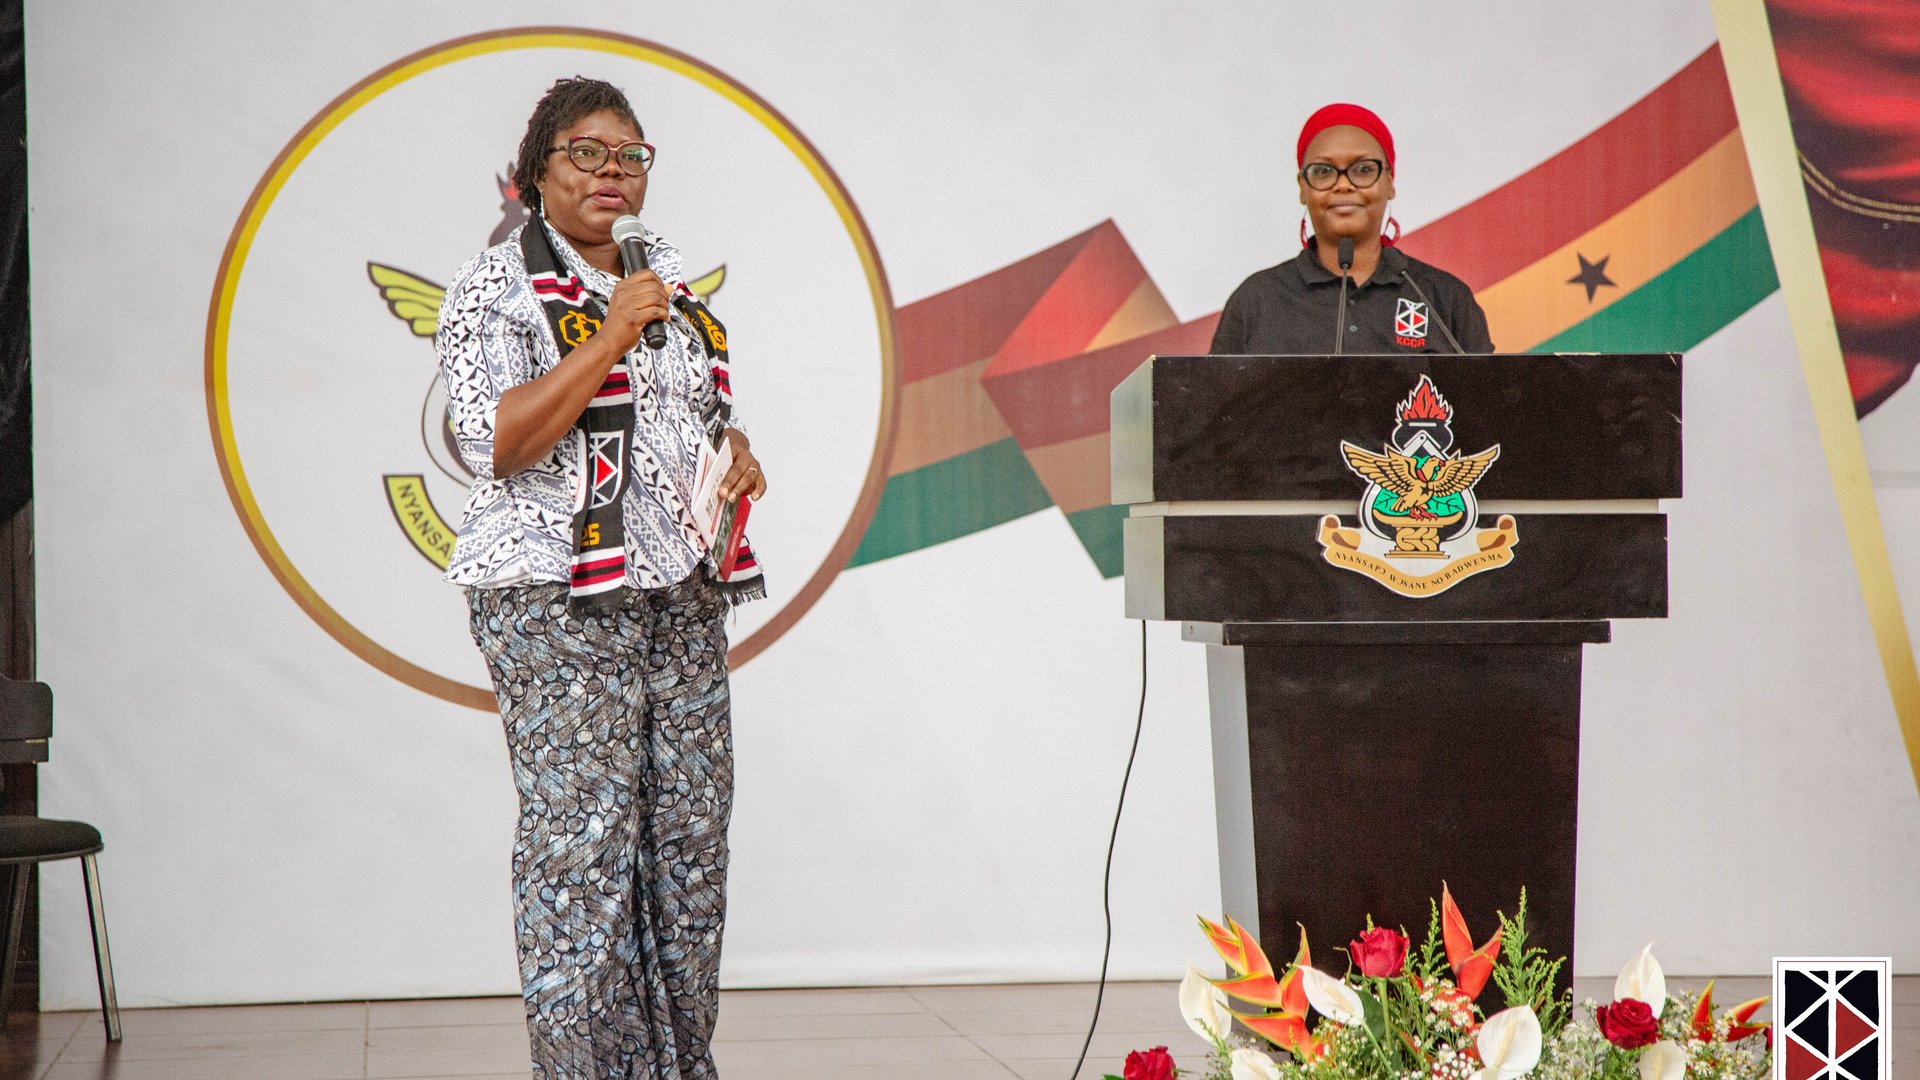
{"x":606,"y":424}
{"x":599,"y":529}
{"x":742,"y":580}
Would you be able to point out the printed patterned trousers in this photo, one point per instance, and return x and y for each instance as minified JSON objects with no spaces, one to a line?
{"x":622,"y":750}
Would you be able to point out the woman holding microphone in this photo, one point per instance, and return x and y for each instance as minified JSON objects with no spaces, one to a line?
{"x":595,"y":598}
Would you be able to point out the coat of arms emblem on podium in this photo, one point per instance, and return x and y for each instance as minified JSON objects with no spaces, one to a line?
{"x":1419,"y":531}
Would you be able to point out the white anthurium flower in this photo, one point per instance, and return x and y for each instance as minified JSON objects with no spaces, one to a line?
{"x":1642,"y":980}
{"x":1664,"y":1060}
{"x":1509,"y":1044}
{"x":1204,"y":1006}
{"x":1250,"y":1064}
{"x":1332,"y":998}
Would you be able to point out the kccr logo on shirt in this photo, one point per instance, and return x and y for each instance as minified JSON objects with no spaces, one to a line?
{"x":1410,"y":323}
{"x":319,"y":343}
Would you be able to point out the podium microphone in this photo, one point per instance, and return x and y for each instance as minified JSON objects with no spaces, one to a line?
{"x":1345,"y":255}
{"x":631,"y":236}
{"x":1432,"y":312}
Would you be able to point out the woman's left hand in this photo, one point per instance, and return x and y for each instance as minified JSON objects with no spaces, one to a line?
{"x":745,"y":477}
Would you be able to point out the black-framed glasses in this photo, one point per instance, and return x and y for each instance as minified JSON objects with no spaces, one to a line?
{"x":588,"y":154}
{"x":1321,"y":176}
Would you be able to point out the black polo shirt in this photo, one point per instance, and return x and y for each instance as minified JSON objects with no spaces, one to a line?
{"x":1289,"y":309}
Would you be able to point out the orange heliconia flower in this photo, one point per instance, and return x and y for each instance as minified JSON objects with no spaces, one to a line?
{"x":1256,"y":982}
{"x":1742,"y":1013}
{"x":1471,"y":966}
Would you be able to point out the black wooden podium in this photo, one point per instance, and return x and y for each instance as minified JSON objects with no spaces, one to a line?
{"x":1369,"y":743}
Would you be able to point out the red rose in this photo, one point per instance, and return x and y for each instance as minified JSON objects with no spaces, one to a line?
{"x":1379,"y":953}
{"x":1154,"y":1064}
{"x":1628,"y":1024}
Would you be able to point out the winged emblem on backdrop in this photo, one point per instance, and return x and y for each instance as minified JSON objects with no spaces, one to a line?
{"x":414,"y":300}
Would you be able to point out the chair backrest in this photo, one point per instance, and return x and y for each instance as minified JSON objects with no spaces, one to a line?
{"x":26,"y":720}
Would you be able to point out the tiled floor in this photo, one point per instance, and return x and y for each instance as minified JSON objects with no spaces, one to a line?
{"x":893,"y":1033}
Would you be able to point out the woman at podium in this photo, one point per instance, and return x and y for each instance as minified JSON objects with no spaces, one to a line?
{"x":1349,"y":290}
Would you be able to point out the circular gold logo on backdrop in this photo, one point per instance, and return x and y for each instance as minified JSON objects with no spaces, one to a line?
{"x":323,"y":393}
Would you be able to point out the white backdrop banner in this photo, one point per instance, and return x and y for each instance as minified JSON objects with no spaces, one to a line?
{"x":935,"y":234}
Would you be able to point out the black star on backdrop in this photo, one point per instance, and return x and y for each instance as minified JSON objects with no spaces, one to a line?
{"x":1592,"y":275}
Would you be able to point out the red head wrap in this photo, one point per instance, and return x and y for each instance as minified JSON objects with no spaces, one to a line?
{"x":1351,"y":115}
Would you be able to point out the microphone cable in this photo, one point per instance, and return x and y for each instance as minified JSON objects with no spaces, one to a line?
{"x":1106,"y":875}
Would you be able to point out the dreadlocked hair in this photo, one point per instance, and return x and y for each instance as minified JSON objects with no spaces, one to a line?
{"x":565,"y":104}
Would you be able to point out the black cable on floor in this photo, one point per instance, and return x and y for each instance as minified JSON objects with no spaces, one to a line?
{"x":1106,"y":876}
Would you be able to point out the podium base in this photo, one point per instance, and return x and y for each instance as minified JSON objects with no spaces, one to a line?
{"x":1388,"y":757}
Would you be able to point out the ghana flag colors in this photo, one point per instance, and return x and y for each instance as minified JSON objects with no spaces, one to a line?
{"x":1644,"y":236}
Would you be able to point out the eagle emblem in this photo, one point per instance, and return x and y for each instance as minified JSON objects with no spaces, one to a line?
{"x":1419,"y":531}
{"x":1417,"y":483}
{"x":1419,"y":492}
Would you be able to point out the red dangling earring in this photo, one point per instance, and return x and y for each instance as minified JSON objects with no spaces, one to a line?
{"x":1303,"y":230}
{"x":1393,"y":224}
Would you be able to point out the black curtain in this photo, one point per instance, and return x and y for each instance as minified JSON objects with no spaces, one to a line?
{"x":16,"y":395}
{"x":19,"y":788}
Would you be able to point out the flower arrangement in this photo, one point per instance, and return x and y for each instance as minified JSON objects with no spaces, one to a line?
{"x":1404,"y":1014}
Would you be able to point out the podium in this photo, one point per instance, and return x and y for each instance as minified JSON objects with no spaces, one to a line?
{"x":1393,"y":661}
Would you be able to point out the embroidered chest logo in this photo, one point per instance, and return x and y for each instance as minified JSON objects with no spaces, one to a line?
{"x":1410,"y":323}
{"x":1419,"y":508}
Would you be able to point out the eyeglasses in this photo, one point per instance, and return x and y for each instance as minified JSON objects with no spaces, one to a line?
{"x":588,"y":154}
{"x":1320,"y":176}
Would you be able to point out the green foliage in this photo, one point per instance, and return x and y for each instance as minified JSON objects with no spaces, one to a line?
{"x":1430,"y":961}
{"x":1526,"y":977}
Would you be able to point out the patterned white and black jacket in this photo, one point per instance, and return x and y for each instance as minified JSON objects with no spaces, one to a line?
{"x":518,"y":529}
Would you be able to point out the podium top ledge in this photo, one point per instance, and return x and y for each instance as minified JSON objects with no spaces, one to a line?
{"x":1568,"y":426}
{"x":1581,"y":632}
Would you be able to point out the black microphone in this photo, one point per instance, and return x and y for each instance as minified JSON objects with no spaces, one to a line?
{"x":1432,"y":312}
{"x":631,"y":236}
{"x":1345,"y":255}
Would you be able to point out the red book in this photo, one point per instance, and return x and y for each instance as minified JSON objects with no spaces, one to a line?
{"x":731,"y":528}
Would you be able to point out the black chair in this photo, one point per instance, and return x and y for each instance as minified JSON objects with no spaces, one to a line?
{"x":26,"y":723}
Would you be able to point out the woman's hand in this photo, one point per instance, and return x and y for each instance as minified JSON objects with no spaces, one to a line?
{"x":536,"y":415}
{"x":745,"y":477}
{"x":639,"y":298}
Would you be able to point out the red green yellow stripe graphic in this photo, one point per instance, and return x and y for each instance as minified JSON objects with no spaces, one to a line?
{"x":1643,"y":236}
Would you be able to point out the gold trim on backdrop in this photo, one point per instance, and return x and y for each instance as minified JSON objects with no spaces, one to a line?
{"x":1848,"y":201}
{"x":240,"y":241}
{"x":1753,"y":71}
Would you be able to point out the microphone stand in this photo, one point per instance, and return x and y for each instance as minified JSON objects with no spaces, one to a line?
{"x":1432,"y":312}
{"x":1345,"y":255}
